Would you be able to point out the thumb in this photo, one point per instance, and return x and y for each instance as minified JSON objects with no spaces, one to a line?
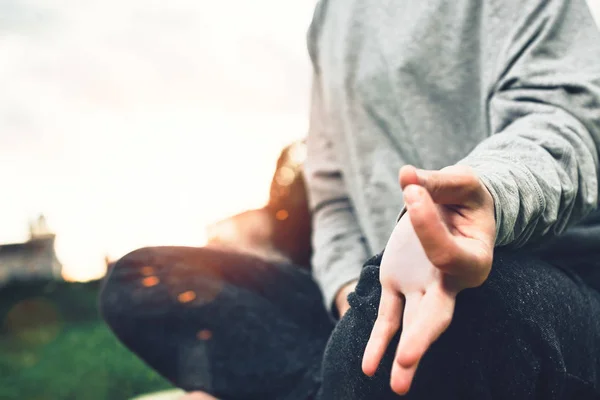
{"x":433,"y":234}
{"x":456,"y":185}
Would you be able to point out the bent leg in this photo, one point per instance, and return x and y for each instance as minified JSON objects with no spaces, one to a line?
{"x":530,"y":332}
{"x":227,"y":324}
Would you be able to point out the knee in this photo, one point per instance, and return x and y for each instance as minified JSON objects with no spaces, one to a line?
{"x":504,"y":336}
{"x":342,"y":373}
{"x":125,"y":278}
{"x":498,"y":331}
{"x":147,"y":281}
{"x":502,"y":340}
{"x":518,"y":295}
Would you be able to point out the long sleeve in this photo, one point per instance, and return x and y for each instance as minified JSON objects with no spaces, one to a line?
{"x":338,"y":242}
{"x":541,"y":161}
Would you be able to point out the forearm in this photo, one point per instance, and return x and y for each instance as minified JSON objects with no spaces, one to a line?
{"x":542,"y":173}
{"x":541,"y":161}
{"x":339,"y":249}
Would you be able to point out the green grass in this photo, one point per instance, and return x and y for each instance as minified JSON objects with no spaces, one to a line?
{"x":53,"y":345}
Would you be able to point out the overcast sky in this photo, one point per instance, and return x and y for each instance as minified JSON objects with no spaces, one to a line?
{"x":138,"y":122}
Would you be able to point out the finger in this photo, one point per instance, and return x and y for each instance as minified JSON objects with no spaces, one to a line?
{"x":457,"y":184}
{"x":408,"y":176}
{"x":436,"y":240}
{"x":387,"y":324}
{"x":411,"y":307}
{"x":433,"y":318}
{"x":476,"y":263}
{"x":401,"y":377}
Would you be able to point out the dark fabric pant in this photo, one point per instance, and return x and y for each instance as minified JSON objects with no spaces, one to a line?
{"x":241,"y":328}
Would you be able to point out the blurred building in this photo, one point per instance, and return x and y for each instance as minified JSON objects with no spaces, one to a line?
{"x":33,"y":259}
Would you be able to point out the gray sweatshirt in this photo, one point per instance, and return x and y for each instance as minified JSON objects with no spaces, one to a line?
{"x":509,"y":87}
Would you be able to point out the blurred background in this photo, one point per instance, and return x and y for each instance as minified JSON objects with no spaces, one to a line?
{"x":125,"y":124}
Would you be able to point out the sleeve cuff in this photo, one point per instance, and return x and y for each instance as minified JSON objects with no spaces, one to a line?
{"x":511,"y":200}
{"x":335,"y":282}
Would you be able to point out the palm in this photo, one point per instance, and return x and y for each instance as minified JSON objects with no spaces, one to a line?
{"x":402,"y":254}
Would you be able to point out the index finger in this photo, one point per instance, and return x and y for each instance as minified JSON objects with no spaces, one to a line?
{"x":437,"y":242}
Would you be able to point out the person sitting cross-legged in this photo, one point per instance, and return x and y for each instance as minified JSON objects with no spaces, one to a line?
{"x":452,"y":174}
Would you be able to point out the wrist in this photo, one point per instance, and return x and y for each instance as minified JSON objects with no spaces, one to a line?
{"x":341,"y":298}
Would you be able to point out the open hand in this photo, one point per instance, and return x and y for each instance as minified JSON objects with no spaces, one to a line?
{"x":444,"y":244}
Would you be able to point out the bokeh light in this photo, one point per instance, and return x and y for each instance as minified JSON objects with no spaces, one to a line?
{"x":150,"y":281}
{"x":33,"y":322}
{"x":282,"y":215}
{"x":186,"y":297}
{"x":204,"y":334}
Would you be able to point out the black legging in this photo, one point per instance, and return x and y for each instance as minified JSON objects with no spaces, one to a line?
{"x":241,"y":328}
{"x":228,"y":324}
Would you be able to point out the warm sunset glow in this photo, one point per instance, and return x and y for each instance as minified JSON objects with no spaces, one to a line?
{"x":285,"y":176}
{"x":145,"y":130}
{"x":82,"y":274}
